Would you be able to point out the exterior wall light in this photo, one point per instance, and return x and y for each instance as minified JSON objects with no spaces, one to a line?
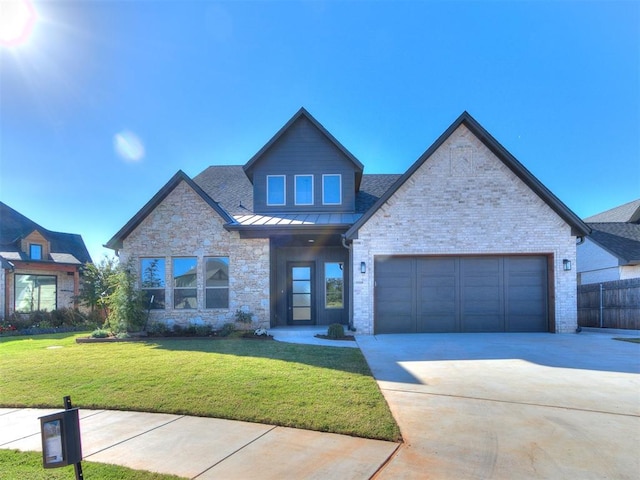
{"x":566,"y":265}
{"x":363,"y":267}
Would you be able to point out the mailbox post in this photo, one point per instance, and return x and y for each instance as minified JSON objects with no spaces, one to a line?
{"x":61,"y":439}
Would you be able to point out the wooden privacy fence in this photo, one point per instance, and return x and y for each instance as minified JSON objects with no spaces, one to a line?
{"x":610,"y":304}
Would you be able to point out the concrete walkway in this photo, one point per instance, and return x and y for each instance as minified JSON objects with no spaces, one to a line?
{"x":507,"y":406}
{"x":205,"y":448}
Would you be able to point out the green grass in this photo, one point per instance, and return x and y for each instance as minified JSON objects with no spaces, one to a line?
{"x":22,"y":465}
{"x":632,"y":340}
{"x":326,"y":389}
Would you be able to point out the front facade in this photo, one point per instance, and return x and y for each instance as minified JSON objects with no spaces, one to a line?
{"x":40,"y":269}
{"x":466,"y":240}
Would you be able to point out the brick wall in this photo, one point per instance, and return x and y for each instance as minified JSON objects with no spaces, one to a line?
{"x":465,"y":201}
{"x":184,"y":225}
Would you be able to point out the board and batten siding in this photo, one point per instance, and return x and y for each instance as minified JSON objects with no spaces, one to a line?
{"x":303,"y":150}
{"x":463,"y":200}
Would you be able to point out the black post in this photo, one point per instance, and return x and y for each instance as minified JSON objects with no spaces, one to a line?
{"x":77,"y":466}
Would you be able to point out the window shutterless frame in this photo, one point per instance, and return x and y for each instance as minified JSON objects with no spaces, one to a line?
{"x":303,"y":190}
{"x":185,"y":282}
{"x":276,"y":190}
{"x":332,"y":189}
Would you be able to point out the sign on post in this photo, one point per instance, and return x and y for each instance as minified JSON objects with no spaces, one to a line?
{"x":60,"y":434}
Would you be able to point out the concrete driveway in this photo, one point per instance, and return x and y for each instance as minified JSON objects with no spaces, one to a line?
{"x":506,"y":406}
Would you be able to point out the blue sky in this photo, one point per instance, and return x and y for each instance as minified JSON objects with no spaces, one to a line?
{"x":201,"y":83}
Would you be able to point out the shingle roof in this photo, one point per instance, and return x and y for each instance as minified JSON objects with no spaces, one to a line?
{"x":65,"y":247}
{"x":229,"y":186}
{"x":629,"y":212}
{"x":619,"y":238}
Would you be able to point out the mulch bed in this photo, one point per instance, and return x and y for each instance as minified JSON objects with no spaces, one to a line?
{"x":327,"y":337}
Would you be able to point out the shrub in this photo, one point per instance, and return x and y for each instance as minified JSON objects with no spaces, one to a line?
{"x":178,"y":329}
{"x":100,"y":333}
{"x":227,"y":329}
{"x":335,"y":331}
{"x":126,"y":310}
{"x":203,"y":330}
{"x":243,"y":317}
{"x":159,"y":329}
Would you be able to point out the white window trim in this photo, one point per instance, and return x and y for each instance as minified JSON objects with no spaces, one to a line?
{"x":339,"y":188}
{"x":295,"y":187}
{"x":284,"y":196}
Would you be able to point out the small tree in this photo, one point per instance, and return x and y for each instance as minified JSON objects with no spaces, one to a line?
{"x":97,"y":285}
{"x":125,"y":303}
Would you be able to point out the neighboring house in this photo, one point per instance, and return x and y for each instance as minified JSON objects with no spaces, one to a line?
{"x":612,"y":251}
{"x":40,"y":269}
{"x":467,"y":240}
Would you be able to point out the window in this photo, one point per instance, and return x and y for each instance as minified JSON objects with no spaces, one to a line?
{"x":35,"y":251}
{"x":331,"y":189}
{"x":153,"y":282}
{"x":276,"y":190}
{"x":216,"y":286}
{"x":304,"y":189}
{"x":185,"y":283}
{"x":334,"y":285}
{"x":35,"y":293}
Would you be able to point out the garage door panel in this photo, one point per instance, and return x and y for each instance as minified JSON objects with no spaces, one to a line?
{"x":461,"y":294}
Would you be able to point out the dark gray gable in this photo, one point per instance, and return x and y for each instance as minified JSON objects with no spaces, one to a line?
{"x":116,"y":241}
{"x":578,"y":227}
{"x":618,"y":238}
{"x":250,"y":165}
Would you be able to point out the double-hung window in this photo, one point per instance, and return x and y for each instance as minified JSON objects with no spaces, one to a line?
{"x":153,"y":283}
{"x":185,"y":283}
{"x":304,"y":190}
{"x":216,"y":285}
{"x":332,"y":189}
{"x":276,"y":190}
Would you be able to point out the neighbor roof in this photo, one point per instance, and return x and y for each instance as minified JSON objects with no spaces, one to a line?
{"x":578,"y":227}
{"x":629,"y":212}
{"x":248,"y":167}
{"x":68,"y":248}
{"x":618,"y":238}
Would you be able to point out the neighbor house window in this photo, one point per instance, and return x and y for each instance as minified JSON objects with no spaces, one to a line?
{"x":35,"y":293}
{"x":185,"y":283}
{"x":334,"y":285}
{"x":35,"y":251}
{"x":331,"y":189}
{"x":216,"y":285}
{"x":304,"y":190}
{"x":276,"y":190}
{"x":153,"y":283}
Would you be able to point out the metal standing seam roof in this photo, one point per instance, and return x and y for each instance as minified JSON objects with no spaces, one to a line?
{"x":317,"y":219}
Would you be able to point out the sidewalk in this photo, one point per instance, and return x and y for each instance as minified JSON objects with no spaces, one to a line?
{"x":205,"y":448}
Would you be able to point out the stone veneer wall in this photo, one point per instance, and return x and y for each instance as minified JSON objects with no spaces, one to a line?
{"x":464,"y":201}
{"x":184,"y":225}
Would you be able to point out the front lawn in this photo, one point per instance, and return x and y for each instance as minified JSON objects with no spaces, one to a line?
{"x":20,"y":465}
{"x":304,"y":386}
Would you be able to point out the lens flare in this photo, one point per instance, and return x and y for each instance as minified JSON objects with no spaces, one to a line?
{"x":128,"y":146}
{"x":17,"y":18}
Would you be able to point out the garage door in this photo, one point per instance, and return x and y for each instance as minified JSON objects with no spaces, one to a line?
{"x":461,"y":294}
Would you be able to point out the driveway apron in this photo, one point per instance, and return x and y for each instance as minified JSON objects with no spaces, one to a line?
{"x":505,"y":406}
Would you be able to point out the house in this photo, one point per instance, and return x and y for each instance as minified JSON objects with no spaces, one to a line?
{"x":612,"y":251}
{"x":467,"y":240}
{"x":39,"y":269}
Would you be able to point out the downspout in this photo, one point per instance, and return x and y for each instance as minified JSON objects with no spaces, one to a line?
{"x":348,"y":247}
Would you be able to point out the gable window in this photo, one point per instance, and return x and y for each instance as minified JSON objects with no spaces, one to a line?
{"x":334,"y":285}
{"x":185,"y":283}
{"x":153,"y":282}
{"x":35,"y":293}
{"x":216,"y":286}
{"x":304,"y":189}
{"x":332,"y":189}
{"x":35,"y":251}
{"x":276,"y":190}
